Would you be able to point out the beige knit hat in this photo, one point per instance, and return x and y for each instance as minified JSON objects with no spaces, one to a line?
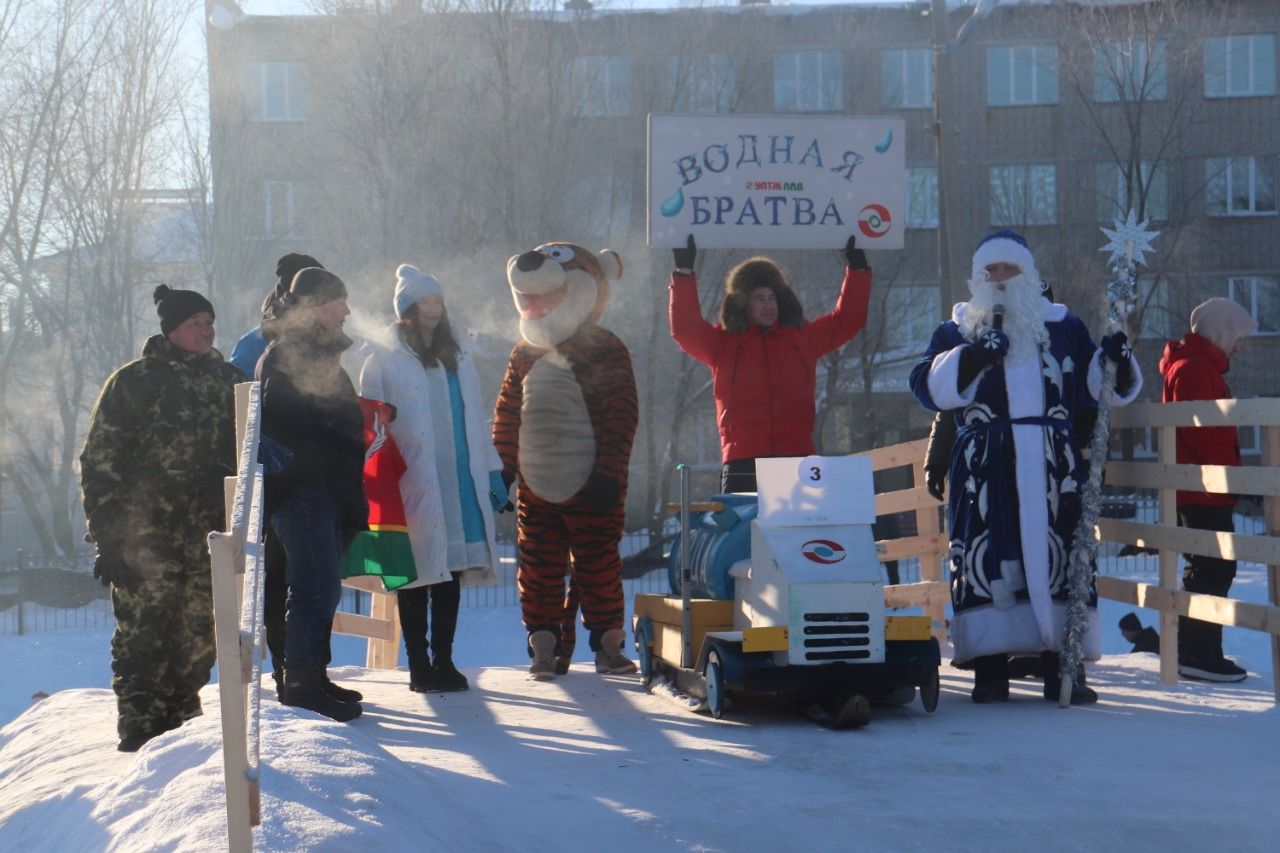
{"x":1222,"y":322}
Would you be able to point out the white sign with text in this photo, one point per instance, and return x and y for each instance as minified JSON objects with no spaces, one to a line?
{"x":776,"y":181}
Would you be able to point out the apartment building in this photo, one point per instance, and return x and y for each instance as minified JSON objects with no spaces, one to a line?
{"x":458,"y":139}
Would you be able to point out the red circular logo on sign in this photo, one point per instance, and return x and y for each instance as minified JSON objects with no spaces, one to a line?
{"x":874,"y":220}
{"x":823,"y":551}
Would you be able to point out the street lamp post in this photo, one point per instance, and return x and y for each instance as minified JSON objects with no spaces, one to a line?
{"x":943,"y":124}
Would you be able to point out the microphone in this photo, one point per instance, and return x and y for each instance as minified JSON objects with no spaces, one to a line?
{"x":997,"y":317}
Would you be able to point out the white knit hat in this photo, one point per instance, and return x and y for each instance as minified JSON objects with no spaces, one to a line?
{"x":411,"y":285}
{"x":1222,"y":322}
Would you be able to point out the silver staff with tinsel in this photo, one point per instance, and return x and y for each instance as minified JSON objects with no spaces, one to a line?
{"x":1129,"y":242}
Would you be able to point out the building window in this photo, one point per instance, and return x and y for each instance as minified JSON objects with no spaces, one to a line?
{"x":922,"y":197}
{"x":808,"y":81}
{"x":1261,"y":296}
{"x":278,"y":218}
{"x":1240,"y":186}
{"x":1157,"y":321}
{"x":1240,"y":66}
{"x":1024,"y":195}
{"x":602,"y":85}
{"x":275,"y":91}
{"x":1147,"y":192}
{"x":1130,"y":71}
{"x":1022,"y":75}
{"x":704,"y":84}
{"x":910,"y":316}
{"x":906,"y":78}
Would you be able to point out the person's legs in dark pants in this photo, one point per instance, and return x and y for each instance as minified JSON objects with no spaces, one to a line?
{"x":275,"y":593}
{"x":1200,"y":643}
{"x":446,"y":598}
{"x":307,"y":525}
{"x":738,"y":476}
{"x":412,"y":606}
{"x":991,"y":679}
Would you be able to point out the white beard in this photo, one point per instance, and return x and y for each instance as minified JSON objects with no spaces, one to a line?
{"x":1023,"y":314}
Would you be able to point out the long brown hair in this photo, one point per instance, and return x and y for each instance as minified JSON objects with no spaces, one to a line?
{"x":444,"y":347}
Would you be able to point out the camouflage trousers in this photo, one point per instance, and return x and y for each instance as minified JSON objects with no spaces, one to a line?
{"x":163,"y":647}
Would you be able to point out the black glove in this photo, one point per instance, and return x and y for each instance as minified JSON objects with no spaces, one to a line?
{"x":988,"y":350}
{"x":685,"y":257}
{"x":854,"y":258}
{"x":602,"y":492}
{"x":110,"y":567}
{"x":1115,"y":346}
{"x":935,"y":482}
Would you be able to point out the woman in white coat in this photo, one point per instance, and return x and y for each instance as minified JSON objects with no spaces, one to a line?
{"x":452,"y":482}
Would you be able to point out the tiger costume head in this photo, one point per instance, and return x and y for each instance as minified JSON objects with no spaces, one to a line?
{"x":559,"y":286}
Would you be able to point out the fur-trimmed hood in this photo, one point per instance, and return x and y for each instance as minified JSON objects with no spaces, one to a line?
{"x":744,"y":279}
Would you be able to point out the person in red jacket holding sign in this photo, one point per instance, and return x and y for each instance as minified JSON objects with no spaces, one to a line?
{"x":1193,"y":369}
{"x":763,"y":354}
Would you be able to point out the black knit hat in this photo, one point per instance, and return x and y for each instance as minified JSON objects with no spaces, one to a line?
{"x":286,"y":268}
{"x":316,"y":286}
{"x":1129,"y":622}
{"x":175,"y":307}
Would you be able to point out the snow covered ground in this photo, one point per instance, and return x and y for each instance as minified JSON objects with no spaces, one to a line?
{"x":591,"y":762}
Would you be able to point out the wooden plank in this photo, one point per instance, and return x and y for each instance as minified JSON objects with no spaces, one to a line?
{"x":1207,"y":608}
{"x":1258,"y":411}
{"x":1183,"y":540}
{"x":384,"y":653}
{"x":362,"y":626}
{"x":920,"y":594}
{"x":897,"y":455}
{"x":1271,"y":512}
{"x":906,"y":500}
{"x":1217,"y":479}
{"x":231,"y":692}
{"x":365,"y":583}
{"x":913,"y":546}
{"x":1167,"y":515}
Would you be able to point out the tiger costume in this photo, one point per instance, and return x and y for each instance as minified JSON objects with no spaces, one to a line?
{"x":563,"y":425}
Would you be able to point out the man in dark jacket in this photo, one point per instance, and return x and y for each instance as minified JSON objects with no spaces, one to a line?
{"x":763,"y":354}
{"x":1194,"y":369}
{"x":161,"y":439}
{"x":316,"y":505}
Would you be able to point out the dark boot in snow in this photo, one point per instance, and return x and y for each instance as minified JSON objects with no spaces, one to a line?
{"x":562,"y":665}
{"x":192,"y":708}
{"x":448,"y":677}
{"x":1081,"y":693}
{"x":342,"y":694}
{"x":304,"y":688}
{"x":990,"y":679}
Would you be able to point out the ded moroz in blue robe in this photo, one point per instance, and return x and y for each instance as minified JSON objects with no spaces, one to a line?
{"x":1016,"y":479}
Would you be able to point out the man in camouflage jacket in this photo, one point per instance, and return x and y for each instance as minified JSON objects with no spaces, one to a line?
{"x":161,"y":439}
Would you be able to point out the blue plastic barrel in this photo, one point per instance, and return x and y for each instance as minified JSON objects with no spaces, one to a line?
{"x":717,"y":541}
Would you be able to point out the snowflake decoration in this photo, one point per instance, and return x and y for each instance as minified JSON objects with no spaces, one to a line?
{"x":1130,"y":239}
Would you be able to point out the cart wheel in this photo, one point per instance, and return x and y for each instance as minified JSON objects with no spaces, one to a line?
{"x":714,"y":674}
{"x":644,"y":650}
{"x":929,"y":691}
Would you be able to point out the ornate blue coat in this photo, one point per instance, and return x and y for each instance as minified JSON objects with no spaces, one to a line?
{"x":1016,"y":479}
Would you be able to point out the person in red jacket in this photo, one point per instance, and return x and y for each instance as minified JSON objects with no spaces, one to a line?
{"x":763,"y":354}
{"x":1193,"y":369}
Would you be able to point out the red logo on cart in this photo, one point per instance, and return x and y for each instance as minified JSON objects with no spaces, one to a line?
{"x":823,"y":551}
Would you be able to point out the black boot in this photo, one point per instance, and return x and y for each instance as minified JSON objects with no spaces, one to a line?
{"x":342,"y":694}
{"x":1081,"y":693}
{"x":447,"y":677}
{"x":304,"y":688}
{"x":991,"y":679}
{"x":277,"y":675}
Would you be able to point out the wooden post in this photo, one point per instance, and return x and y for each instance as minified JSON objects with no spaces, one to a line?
{"x":1167,"y":501}
{"x":927,"y":524}
{"x":235,"y":747}
{"x":1271,"y":511}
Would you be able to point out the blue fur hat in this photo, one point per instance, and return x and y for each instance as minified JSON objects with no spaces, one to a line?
{"x":411,"y":285}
